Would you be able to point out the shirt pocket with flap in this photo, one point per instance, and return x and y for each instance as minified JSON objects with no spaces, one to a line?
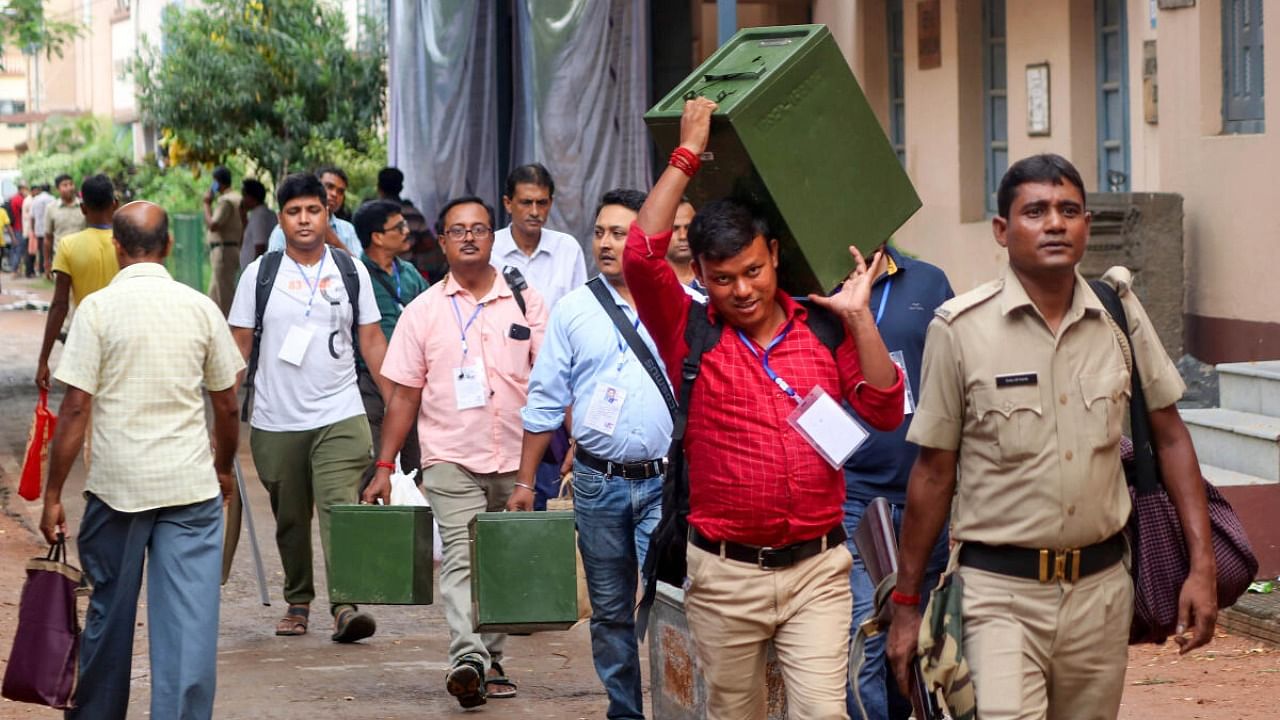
{"x":1106,"y":400}
{"x":1013,"y":415}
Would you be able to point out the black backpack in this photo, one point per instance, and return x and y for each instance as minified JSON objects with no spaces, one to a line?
{"x":267,"y":271}
{"x":666,"y":557}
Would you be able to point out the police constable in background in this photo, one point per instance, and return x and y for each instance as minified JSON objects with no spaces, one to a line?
{"x":1025,"y":386}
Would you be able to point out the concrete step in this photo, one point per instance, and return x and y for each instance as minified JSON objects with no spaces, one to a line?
{"x":1252,"y":387}
{"x":1222,"y":478}
{"x":1246,"y":443}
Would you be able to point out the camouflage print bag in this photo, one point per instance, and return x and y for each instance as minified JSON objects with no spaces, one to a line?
{"x":941,"y":648}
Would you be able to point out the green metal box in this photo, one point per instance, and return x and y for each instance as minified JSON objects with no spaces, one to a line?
{"x":794,"y":135}
{"x":523,"y":575}
{"x":380,"y":554}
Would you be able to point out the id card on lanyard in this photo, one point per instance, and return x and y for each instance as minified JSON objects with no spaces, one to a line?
{"x":468,"y":380}
{"x":818,"y":418}
{"x":299,"y":337}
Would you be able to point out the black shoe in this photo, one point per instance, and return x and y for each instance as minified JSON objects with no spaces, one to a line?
{"x":466,"y":682}
{"x":350,"y":625}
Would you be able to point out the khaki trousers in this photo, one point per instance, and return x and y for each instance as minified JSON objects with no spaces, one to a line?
{"x":1055,"y":651}
{"x":225,"y":263}
{"x":457,"y":495}
{"x":734,"y":609}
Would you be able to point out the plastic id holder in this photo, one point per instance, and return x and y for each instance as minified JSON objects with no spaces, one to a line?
{"x":825,"y":425}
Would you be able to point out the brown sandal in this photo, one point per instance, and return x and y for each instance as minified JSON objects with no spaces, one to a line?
{"x":294,"y":621}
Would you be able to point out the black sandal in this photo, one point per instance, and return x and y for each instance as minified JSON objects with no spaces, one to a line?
{"x":499,"y":678}
{"x":350,"y":625}
{"x":465,"y":682}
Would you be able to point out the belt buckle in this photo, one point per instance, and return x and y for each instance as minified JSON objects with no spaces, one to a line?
{"x":760,"y":558}
{"x":1066,"y":565}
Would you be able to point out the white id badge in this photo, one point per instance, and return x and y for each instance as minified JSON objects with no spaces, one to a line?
{"x":827,"y":427}
{"x":468,"y":386}
{"x":295,"y":344}
{"x":908,"y":402}
{"x":605,"y":407}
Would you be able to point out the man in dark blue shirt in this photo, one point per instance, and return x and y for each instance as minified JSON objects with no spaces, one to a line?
{"x":903,"y":299}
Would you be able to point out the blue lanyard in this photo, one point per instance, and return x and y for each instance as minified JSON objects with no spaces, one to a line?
{"x":764,"y":360}
{"x":884,"y":300}
{"x":100,"y":227}
{"x":622,"y":344}
{"x":313,"y":287}
{"x":462,"y":329}
{"x":395,"y":273}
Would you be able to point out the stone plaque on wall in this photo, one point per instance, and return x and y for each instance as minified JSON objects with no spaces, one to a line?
{"x":929,"y":33}
{"x":1175,"y":4}
{"x":1150,"y":84}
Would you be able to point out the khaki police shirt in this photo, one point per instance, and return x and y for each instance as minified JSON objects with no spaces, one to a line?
{"x":1036,"y":419}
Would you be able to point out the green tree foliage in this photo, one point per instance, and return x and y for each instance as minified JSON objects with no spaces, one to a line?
{"x":24,"y":25}
{"x":84,"y":146}
{"x":269,"y":80}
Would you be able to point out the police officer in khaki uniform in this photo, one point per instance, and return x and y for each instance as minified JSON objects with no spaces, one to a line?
{"x":1025,"y":388}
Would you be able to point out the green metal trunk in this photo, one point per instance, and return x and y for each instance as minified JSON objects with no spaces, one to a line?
{"x":794,"y":136}
{"x":523,"y":575}
{"x":380,"y":555}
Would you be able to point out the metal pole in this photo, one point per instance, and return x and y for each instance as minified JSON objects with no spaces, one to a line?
{"x":726,"y":20}
{"x":253,"y":537}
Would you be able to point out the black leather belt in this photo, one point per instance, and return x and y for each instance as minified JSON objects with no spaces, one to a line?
{"x":771,"y":558}
{"x":639,"y":470}
{"x":224,"y":244}
{"x":1045,"y":565}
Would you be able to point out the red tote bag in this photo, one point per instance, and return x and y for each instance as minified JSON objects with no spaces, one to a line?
{"x":37,"y":449}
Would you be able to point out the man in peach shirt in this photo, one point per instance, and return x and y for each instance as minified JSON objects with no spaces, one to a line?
{"x":460,"y":360}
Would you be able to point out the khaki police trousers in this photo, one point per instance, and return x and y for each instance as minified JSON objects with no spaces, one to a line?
{"x":225,"y":263}
{"x":1053,"y":651}
{"x":734,"y":609}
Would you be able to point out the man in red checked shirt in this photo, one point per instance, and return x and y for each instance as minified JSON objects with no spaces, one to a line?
{"x":766,"y":553}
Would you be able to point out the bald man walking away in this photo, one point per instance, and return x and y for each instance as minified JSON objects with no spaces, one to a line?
{"x":141,"y":352}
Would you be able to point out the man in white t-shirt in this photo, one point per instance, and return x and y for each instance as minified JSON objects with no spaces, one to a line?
{"x":550,"y":261}
{"x":309,"y":434}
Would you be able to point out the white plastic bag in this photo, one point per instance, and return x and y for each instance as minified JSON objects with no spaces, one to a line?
{"x":405,"y":492}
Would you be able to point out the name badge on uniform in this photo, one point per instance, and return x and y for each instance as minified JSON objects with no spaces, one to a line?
{"x":908,"y":402}
{"x":295,"y":344}
{"x":1017,"y":379}
{"x":605,"y":407}
{"x":468,"y":386}
{"x":826,"y":426}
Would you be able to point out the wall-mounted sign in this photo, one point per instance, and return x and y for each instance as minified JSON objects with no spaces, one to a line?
{"x":1038,"y":99}
{"x":929,"y":33}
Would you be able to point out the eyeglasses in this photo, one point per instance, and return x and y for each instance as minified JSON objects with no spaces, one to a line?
{"x":478,"y":231}
{"x":400,"y":227}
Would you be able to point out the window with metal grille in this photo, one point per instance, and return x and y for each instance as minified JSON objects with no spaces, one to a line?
{"x":1242,"y":78}
{"x":995,"y":106}
{"x":897,"y":95}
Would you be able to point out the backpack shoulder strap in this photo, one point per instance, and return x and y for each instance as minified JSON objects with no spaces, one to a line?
{"x":351,"y":281}
{"x":700,"y":335}
{"x":515,"y":281}
{"x":825,"y":324}
{"x":268,"y":267}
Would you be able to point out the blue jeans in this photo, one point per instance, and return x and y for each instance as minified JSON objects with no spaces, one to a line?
{"x":615,"y":518}
{"x":182,"y":551}
{"x":880,"y":696}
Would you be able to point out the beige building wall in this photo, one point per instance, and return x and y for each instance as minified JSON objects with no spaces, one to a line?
{"x":1229,"y":186}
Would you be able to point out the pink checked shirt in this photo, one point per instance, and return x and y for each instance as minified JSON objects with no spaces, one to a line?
{"x":426,"y":351}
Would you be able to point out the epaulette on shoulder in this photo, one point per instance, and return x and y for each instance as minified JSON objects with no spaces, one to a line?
{"x":964,"y":302}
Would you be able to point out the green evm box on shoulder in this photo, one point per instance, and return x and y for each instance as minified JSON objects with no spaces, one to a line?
{"x":380,"y":555}
{"x":794,"y":136}
{"x":524,"y":575}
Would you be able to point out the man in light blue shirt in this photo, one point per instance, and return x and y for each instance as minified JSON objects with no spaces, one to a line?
{"x":621,"y":428}
{"x":342,"y":234}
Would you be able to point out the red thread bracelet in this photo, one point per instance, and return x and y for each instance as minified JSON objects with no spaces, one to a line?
{"x":385,"y":464}
{"x":685,"y":161}
{"x":899,"y":598}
